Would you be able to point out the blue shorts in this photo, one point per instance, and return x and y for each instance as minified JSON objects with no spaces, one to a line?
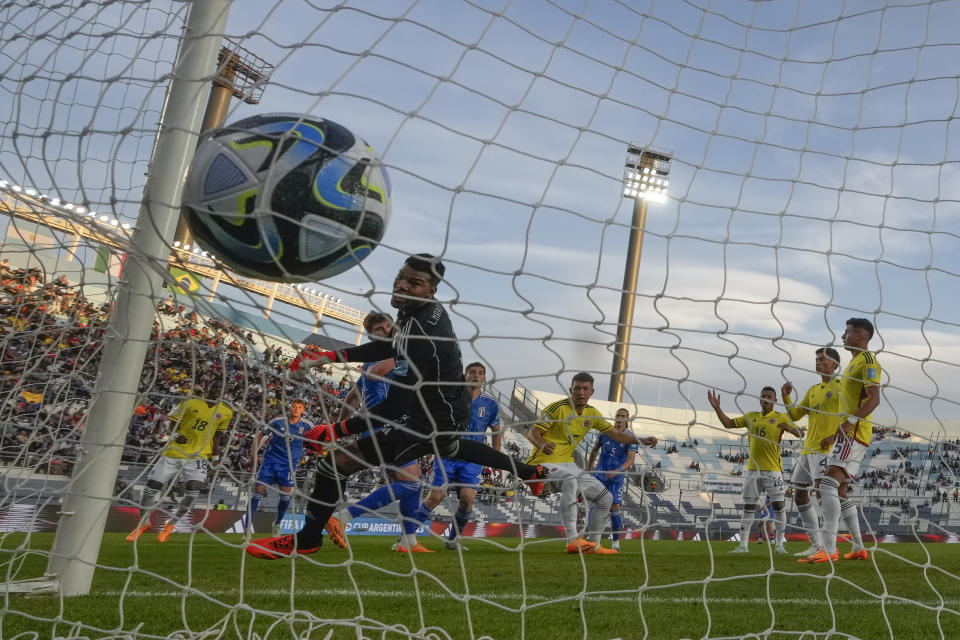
{"x":275,"y":472}
{"x":463,"y":474}
{"x":614,"y":485}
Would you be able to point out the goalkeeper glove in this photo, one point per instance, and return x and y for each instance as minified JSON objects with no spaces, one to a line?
{"x":309,"y":359}
{"x":321,"y":433}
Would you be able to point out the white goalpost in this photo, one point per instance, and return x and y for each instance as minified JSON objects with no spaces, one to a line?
{"x":704,"y":192}
{"x":73,"y":557}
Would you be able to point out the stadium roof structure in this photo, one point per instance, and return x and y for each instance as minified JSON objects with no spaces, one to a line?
{"x":81,"y":225}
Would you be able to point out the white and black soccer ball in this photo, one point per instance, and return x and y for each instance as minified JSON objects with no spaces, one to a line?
{"x":286,"y":197}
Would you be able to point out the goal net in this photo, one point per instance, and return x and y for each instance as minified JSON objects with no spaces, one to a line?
{"x":765,"y":169}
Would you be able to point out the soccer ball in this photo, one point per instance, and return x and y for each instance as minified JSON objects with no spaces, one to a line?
{"x":286,"y":197}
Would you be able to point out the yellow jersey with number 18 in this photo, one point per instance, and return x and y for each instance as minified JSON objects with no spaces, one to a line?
{"x":765,"y":434}
{"x":565,"y":428}
{"x":199,"y":423}
{"x":862,"y":372}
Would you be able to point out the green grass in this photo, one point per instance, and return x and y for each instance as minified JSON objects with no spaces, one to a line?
{"x":653,"y":589}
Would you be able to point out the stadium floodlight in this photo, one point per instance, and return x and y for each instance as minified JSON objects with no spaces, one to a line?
{"x":239,"y":74}
{"x":3,"y":184}
{"x":104,"y":218}
{"x":186,"y":247}
{"x":16,"y":188}
{"x":644,"y":180}
{"x":80,"y":210}
{"x":55,"y":202}
{"x":176,"y":243}
{"x":31,"y":192}
{"x":125,"y":226}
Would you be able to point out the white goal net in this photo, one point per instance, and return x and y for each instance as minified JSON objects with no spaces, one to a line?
{"x":783,"y":165}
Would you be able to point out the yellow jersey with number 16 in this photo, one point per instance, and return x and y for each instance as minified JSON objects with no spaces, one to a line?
{"x":765,"y":434}
{"x":199,"y":423}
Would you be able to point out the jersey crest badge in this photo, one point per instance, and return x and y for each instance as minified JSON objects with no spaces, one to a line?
{"x":217,"y":416}
{"x":829,"y":395}
{"x":586,"y":423}
{"x":481,"y":411}
{"x":771,"y":420}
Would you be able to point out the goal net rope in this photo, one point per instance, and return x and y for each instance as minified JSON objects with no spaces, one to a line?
{"x":795,"y":164}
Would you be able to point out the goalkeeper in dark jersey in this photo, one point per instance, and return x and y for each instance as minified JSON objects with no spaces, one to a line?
{"x":424,"y":413}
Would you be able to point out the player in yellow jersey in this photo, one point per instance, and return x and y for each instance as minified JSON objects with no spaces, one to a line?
{"x":859,"y":396}
{"x":555,"y":437}
{"x":764,"y":465}
{"x":196,"y":441}
{"x":821,"y":405}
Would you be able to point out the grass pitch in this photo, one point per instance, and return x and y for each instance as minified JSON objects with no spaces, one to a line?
{"x":204,"y":586}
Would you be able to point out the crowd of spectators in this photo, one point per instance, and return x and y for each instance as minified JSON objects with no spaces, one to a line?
{"x":50,"y":356}
{"x":880,"y":433}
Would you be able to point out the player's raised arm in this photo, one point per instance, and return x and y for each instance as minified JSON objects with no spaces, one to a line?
{"x":623,"y":436}
{"x":714,"y":399}
{"x":794,"y":411}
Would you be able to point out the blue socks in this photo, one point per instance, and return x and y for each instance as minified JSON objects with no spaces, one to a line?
{"x":382,"y":497}
{"x":255,"y":499}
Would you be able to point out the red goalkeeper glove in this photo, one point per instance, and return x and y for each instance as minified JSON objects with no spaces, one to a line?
{"x":321,"y":433}
{"x":308,"y":359}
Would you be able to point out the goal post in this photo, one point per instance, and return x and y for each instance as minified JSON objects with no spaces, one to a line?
{"x":73,"y":558}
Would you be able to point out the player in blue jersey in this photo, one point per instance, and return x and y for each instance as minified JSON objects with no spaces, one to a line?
{"x":370,"y":390}
{"x":460,"y":475}
{"x":284,"y":449}
{"x":616,"y":458}
{"x":463,"y":476}
{"x":374,"y":382}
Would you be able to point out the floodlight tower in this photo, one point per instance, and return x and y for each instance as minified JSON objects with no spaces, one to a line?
{"x":240,"y":74}
{"x":645,"y":179}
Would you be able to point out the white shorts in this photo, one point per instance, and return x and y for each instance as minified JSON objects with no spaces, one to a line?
{"x":769,"y":482}
{"x":847,"y":454}
{"x":573,"y":480}
{"x":190,"y":468}
{"x":808,"y":469}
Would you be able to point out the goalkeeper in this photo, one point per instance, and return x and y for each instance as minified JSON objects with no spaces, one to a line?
{"x":428,"y":393}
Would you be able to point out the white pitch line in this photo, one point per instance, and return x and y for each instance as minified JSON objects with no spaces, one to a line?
{"x":494,"y":597}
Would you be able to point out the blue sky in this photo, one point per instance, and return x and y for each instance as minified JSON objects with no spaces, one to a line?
{"x":814,"y":177}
